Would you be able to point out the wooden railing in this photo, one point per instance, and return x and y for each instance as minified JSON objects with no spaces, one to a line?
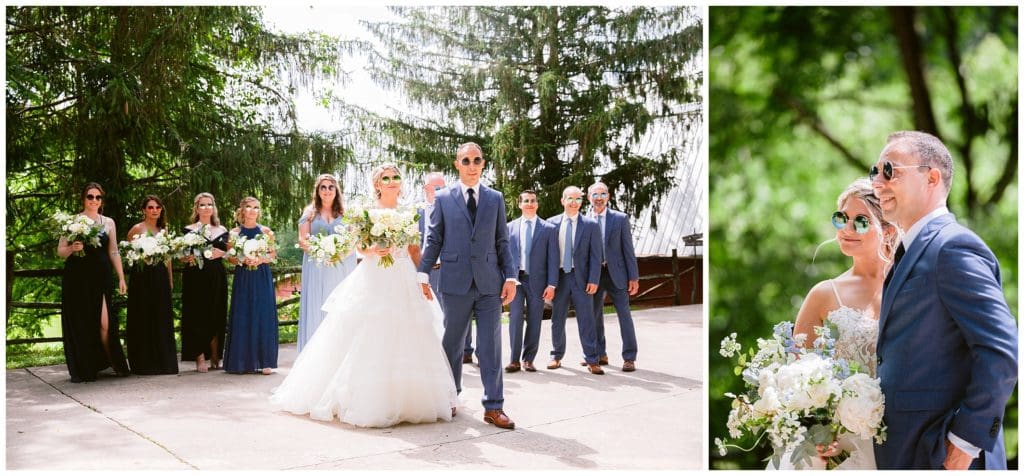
{"x":660,"y":280}
{"x":117,"y":303}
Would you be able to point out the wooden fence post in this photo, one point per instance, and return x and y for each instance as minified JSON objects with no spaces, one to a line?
{"x":10,"y":284}
{"x":675,"y":279}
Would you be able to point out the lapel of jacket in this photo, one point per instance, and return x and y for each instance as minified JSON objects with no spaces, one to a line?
{"x":536,"y":232}
{"x":513,"y":236}
{"x":482,"y":204}
{"x":578,"y":237}
{"x":460,"y":201}
{"x":917,"y":248}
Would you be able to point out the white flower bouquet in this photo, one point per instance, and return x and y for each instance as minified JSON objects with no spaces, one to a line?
{"x":77,"y":228}
{"x":384,"y":227}
{"x":194,"y":244}
{"x":800,"y":398}
{"x":329,"y":249}
{"x":147,"y":249}
{"x":257,"y":247}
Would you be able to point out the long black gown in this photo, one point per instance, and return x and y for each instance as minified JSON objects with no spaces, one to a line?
{"x":150,"y":327}
{"x":204,"y":305}
{"x":86,"y":284}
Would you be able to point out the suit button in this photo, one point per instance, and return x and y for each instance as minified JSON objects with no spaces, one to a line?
{"x":879,"y":360}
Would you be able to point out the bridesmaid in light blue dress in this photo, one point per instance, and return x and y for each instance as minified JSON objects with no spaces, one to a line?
{"x":321,"y":217}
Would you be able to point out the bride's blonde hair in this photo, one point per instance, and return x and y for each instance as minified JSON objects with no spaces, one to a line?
{"x":379,"y":172}
{"x":862,"y":189}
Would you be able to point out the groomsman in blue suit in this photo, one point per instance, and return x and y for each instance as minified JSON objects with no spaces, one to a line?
{"x":619,"y":275}
{"x":579,"y":249}
{"x":947,"y":342}
{"x":467,"y":231}
{"x":534,"y":245}
{"x":432,"y":183}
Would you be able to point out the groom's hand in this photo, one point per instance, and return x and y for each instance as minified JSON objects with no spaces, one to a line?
{"x":956,"y":459}
{"x":508,"y":291}
{"x":426,"y":292}
{"x":591,"y":288}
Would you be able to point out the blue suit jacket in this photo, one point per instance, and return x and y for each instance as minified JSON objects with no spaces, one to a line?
{"x":947,"y":350}
{"x":586,"y":249}
{"x":469,"y":252}
{"x":543,"y":253}
{"x":618,"y":249}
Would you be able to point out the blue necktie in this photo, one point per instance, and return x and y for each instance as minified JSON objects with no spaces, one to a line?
{"x":600,"y":220}
{"x":529,"y":245}
{"x":567,"y":254}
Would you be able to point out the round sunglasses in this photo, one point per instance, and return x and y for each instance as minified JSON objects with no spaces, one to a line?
{"x":387,"y":180}
{"x":861,"y":223}
{"x":887,"y":169}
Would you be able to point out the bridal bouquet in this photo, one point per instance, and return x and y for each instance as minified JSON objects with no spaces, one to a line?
{"x":329,"y":249}
{"x":77,"y":228}
{"x":799,"y":397}
{"x":257,"y":247}
{"x":194,"y":244}
{"x":147,"y":248}
{"x":384,"y":227}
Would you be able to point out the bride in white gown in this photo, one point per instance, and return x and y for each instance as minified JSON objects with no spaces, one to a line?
{"x":851,"y":301}
{"x":376,"y":360}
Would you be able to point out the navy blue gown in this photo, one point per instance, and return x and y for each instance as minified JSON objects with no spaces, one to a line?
{"x":252,"y":323}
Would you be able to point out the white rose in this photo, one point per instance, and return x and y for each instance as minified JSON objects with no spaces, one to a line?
{"x":862,"y":405}
{"x":208,"y":254}
{"x":768,"y":404}
{"x":328,"y":246}
{"x":377,"y":230}
{"x":252,"y":247}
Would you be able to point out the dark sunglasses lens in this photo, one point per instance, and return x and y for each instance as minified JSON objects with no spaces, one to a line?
{"x":887,"y":170}
{"x":873,"y":172}
{"x":839,"y":220}
{"x":861,"y":224}
{"x":94,"y":197}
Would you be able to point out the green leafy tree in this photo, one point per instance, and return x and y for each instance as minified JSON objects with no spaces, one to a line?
{"x":801,"y":102}
{"x":554,"y":95}
{"x":164,"y":100}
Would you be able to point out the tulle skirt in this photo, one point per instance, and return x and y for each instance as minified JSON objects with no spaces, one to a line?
{"x":376,"y":359}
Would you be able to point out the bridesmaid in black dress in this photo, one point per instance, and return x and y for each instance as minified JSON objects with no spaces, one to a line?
{"x":150,"y":317}
{"x":91,"y":336}
{"x":204,"y":292}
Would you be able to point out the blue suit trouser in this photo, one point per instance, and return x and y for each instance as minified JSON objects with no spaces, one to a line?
{"x":620,"y":299}
{"x":568,"y":289}
{"x":525,"y":348}
{"x":458,"y":311}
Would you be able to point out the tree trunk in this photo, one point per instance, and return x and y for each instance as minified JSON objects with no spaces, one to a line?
{"x":910,"y":51}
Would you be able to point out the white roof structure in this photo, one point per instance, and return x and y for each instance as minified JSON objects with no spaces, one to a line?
{"x":682,"y":209}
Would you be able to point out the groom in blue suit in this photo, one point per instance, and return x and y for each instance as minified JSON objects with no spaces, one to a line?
{"x":477,"y":274}
{"x":947,"y":343}
{"x":534,"y":245}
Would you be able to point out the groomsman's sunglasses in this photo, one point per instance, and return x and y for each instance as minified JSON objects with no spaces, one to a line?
{"x":861,"y":223}
{"x":394,"y":178}
{"x":476,"y":160}
{"x":887,"y":169}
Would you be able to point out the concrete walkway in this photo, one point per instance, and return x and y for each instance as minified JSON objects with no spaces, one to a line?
{"x":565,"y":418}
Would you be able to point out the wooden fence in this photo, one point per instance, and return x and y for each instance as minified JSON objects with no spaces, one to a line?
{"x":649,"y":290}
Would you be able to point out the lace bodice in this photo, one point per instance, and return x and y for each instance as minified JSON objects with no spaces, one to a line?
{"x":858,"y":335}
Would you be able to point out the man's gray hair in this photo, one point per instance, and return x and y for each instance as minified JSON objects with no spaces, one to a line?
{"x":571,"y":188}
{"x":591,"y":188}
{"x":930,"y":149}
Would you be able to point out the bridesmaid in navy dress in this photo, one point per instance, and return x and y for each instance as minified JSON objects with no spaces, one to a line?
{"x":151,"y":347}
{"x":252,"y":326}
{"x":321,"y":217}
{"x":91,"y":336}
{"x":204,"y":291}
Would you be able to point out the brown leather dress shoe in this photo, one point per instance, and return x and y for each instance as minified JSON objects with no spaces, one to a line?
{"x":499,"y":419}
{"x":513,"y":367}
{"x":603,"y":360}
{"x":628,"y":366}
{"x":595,"y":369}
{"x":555,"y":364}
{"x":467,"y":358}
{"x":528,"y":366}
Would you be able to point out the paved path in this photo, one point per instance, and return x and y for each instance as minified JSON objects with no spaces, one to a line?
{"x":565,"y":418}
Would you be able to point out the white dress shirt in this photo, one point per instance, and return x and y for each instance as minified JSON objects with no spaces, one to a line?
{"x":522,"y":240}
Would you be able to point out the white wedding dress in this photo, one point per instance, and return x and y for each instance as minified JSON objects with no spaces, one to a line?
{"x":856,"y":342}
{"x":376,"y":360}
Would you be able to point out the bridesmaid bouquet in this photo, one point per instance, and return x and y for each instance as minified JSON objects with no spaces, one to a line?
{"x":384,"y":227}
{"x":800,"y":398}
{"x":148,"y":249}
{"x":329,"y":249}
{"x":77,"y":228}
{"x":194,"y":244}
{"x":257,"y":247}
